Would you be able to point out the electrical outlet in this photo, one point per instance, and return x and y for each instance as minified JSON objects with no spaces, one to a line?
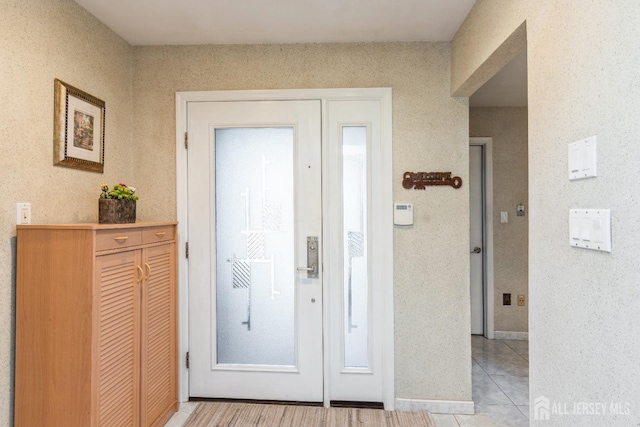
{"x":23,"y":213}
{"x":521,"y":300}
{"x":506,"y":299}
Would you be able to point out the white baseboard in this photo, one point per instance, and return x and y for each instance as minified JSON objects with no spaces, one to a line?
{"x":509,"y":335}
{"x":462,"y":407}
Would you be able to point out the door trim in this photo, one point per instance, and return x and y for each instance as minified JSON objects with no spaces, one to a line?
{"x":487,"y":161}
{"x":384,"y":184}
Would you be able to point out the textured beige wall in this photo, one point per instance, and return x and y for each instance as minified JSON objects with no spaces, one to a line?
{"x":584,"y":319}
{"x":430,"y":131}
{"x":41,"y":40}
{"x":508,"y":128}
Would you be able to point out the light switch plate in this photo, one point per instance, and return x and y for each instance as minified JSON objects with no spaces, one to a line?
{"x":23,"y":213}
{"x":582,"y":158}
{"x":590,"y":229}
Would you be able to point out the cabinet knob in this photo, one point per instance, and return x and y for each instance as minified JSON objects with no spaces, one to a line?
{"x":120,"y":239}
{"x":161,"y":233}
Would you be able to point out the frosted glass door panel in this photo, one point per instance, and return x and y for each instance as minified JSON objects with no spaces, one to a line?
{"x":254,"y":246}
{"x":356,"y":284}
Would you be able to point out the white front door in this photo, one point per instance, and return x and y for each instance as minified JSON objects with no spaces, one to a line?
{"x":476,"y":215}
{"x":254,"y":201}
{"x":268,"y":174}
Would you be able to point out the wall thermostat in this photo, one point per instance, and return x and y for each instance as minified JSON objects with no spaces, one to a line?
{"x":403,"y":214}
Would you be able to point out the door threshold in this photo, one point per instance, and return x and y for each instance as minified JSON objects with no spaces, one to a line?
{"x":353,"y":404}
{"x":254,"y":401}
{"x":333,"y":403}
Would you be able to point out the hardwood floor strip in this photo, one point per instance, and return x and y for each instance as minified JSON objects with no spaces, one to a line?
{"x":337,"y":417}
{"x":230,"y":414}
{"x":271,"y":415}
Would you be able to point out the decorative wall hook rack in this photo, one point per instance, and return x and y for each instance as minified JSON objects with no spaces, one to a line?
{"x":420,"y":180}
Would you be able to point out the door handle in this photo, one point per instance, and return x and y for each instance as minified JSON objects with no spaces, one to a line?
{"x":476,"y":250}
{"x":311,"y":271}
{"x":312,"y":258}
{"x":147,"y":267}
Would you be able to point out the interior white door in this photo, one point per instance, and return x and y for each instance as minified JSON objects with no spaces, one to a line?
{"x":476,"y":215}
{"x":254,"y":191}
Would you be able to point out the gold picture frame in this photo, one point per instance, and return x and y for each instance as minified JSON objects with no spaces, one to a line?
{"x":78,"y":129}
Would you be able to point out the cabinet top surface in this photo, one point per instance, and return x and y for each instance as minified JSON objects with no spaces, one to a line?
{"x":92,"y":226}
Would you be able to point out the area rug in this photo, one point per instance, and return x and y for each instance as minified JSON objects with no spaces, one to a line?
{"x":225,"y":414}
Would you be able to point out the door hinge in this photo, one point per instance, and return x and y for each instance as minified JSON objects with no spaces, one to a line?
{"x":186,"y":140}
{"x":186,"y":250}
{"x":187,"y":360}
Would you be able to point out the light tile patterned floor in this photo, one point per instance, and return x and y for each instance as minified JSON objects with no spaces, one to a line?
{"x":500,"y":387}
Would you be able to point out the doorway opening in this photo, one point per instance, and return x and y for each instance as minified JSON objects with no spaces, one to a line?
{"x":498,"y":113}
{"x":504,"y":120}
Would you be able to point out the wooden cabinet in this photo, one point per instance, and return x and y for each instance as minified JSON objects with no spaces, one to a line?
{"x":96,"y":325}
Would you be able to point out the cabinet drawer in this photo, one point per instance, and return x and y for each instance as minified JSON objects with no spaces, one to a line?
{"x":115,"y":239}
{"x":157,"y":234}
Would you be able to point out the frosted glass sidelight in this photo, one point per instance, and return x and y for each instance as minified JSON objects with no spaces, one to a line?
{"x":355,"y":280}
{"x":254,"y":246}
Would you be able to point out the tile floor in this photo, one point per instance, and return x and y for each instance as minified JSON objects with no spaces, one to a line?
{"x":500,"y":387}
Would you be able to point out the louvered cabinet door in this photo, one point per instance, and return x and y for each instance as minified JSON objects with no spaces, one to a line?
{"x":159,"y":336}
{"x":117,"y":374}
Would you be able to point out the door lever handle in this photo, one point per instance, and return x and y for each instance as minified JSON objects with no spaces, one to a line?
{"x":476,"y":250}
{"x":312,"y":272}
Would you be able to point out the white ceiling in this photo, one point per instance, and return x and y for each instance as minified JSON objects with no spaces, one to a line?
{"x":161,"y":22}
{"x":185,"y":22}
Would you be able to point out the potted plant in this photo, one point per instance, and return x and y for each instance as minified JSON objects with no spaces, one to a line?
{"x":118,"y":205}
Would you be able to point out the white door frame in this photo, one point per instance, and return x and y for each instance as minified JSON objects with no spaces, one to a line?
{"x":487,"y":269}
{"x":384,"y":184}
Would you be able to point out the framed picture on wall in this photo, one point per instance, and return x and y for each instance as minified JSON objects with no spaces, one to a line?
{"x":78,"y":129}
